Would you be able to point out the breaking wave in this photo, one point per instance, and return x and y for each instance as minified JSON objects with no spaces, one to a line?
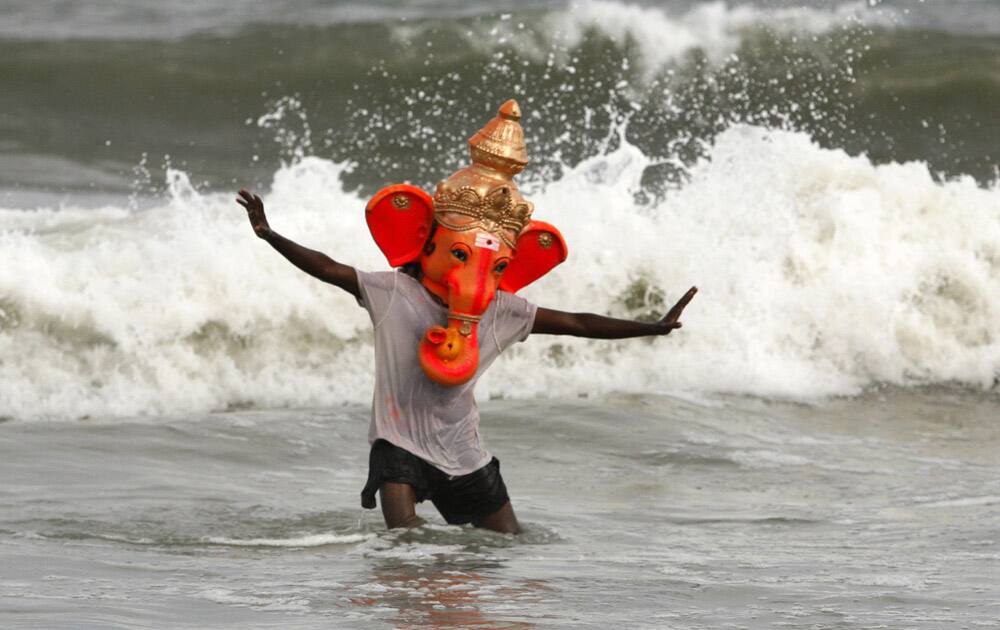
{"x":819,"y":274}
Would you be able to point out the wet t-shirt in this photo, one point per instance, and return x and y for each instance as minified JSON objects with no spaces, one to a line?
{"x":437,"y":423}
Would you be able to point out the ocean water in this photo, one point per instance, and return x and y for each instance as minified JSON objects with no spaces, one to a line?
{"x":183,"y":414}
{"x":639,"y":510}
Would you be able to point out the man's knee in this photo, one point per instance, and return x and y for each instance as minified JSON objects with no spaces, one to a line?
{"x":399,"y":503}
{"x":503,"y":521}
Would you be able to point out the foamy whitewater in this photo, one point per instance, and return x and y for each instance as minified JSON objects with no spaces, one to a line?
{"x":819,"y":274}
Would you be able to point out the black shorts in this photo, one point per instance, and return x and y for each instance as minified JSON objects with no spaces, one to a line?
{"x":460,"y":499}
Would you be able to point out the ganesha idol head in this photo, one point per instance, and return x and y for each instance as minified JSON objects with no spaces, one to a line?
{"x":473,"y":237}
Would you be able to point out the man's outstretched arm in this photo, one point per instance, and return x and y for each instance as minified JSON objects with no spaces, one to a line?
{"x":551,"y":322}
{"x":316,"y":264}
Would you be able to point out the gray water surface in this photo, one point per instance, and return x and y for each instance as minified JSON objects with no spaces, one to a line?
{"x":650,"y":512}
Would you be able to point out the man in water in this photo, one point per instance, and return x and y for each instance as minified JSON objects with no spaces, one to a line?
{"x":479,"y":497}
{"x":462,"y":255}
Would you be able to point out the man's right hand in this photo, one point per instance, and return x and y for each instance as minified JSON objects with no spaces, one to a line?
{"x":255,"y":212}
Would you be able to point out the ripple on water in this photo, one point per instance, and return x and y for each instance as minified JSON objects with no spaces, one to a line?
{"x":213,"y":527}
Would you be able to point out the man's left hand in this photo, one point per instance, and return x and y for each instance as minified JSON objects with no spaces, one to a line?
{"x":669,"y":321}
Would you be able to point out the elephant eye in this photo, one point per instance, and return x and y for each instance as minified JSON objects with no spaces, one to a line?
{"x":460,"y":254}
{"x":501,"y":266}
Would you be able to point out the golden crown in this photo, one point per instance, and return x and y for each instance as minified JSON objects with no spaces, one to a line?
{"x":484,"y":192}
{"x":496,"y":212}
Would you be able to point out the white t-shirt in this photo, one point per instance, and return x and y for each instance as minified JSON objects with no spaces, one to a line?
{"x":436,"y":423}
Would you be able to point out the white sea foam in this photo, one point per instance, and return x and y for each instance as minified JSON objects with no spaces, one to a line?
{"x":819,"y":274}
{"x":270,"y":601}
{"x":716,"y":28}
{"x":312,"y":540}
{"x":661,"y":36}
{"x":167,"y":19}
{"x":768,"y":459}
{"x":963,"y":502}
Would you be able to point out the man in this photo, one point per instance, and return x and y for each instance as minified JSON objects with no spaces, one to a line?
{"x":453,"y":251}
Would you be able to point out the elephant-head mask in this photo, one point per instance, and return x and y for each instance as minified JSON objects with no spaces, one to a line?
{"x":473,"y":237}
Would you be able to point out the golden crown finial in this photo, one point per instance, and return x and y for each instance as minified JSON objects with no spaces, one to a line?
{"x":510,"y":111}
{"x":500,"y":144}
{"x":483,"y":195}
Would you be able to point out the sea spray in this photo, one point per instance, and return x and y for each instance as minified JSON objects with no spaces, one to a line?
{"x":819,"y":274}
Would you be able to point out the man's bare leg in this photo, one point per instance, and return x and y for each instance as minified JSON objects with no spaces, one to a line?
{"x":503,"y":521}
{"x":399,"y":505}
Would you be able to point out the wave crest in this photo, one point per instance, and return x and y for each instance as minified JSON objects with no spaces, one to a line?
{"x":820,"y":274}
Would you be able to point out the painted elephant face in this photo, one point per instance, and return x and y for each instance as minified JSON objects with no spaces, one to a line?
{"x":484,"y":240}
{"x":463,"y":268}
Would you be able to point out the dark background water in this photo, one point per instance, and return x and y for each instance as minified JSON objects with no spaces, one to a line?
{"x":100,"y":96}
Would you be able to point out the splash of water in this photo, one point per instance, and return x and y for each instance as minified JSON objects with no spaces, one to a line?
{"x":820,"y":274}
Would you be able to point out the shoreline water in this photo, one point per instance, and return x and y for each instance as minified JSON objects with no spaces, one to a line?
{"x":652,"y":511}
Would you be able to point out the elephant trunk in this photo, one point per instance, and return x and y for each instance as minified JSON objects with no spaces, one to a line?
{"x":450,"y":356}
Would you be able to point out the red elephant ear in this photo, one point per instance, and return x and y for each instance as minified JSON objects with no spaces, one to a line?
{"x":539,"y":248}
{"x":400,"y":218}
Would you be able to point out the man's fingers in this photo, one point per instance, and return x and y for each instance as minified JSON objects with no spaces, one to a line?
{"x":249,"y":199}
{"x":252,"y":203}
{"x":668,"y":326}
{"x":675,"y":312}
{"x":687,"y":297}
{"x":245,"y":199}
